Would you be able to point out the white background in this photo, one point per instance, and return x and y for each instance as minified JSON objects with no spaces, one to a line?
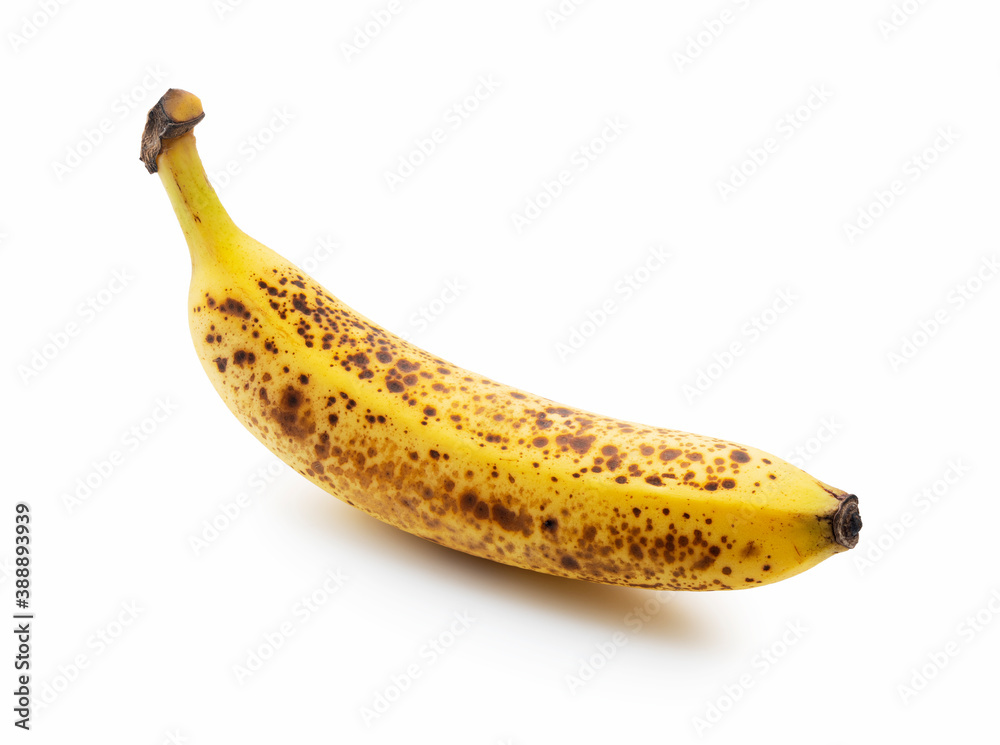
{"x":139,"y":630}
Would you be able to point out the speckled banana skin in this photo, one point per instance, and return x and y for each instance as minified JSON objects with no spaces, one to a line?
{"x":466,"y":462}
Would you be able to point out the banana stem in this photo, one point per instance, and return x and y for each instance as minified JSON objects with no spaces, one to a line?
{"x":176,"y":113}
{"x":168,"y":148}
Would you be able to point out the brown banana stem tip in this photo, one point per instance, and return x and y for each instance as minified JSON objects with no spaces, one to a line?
{"x":847,"y":523}
{"x":175,"y":114}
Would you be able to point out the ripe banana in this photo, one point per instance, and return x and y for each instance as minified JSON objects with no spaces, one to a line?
{"x":463,"y":461}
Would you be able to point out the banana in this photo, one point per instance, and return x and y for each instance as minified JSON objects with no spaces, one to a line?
{"x":463,"y":461}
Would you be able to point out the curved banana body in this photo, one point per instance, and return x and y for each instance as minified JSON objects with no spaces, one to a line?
{"x":461,"y":460}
